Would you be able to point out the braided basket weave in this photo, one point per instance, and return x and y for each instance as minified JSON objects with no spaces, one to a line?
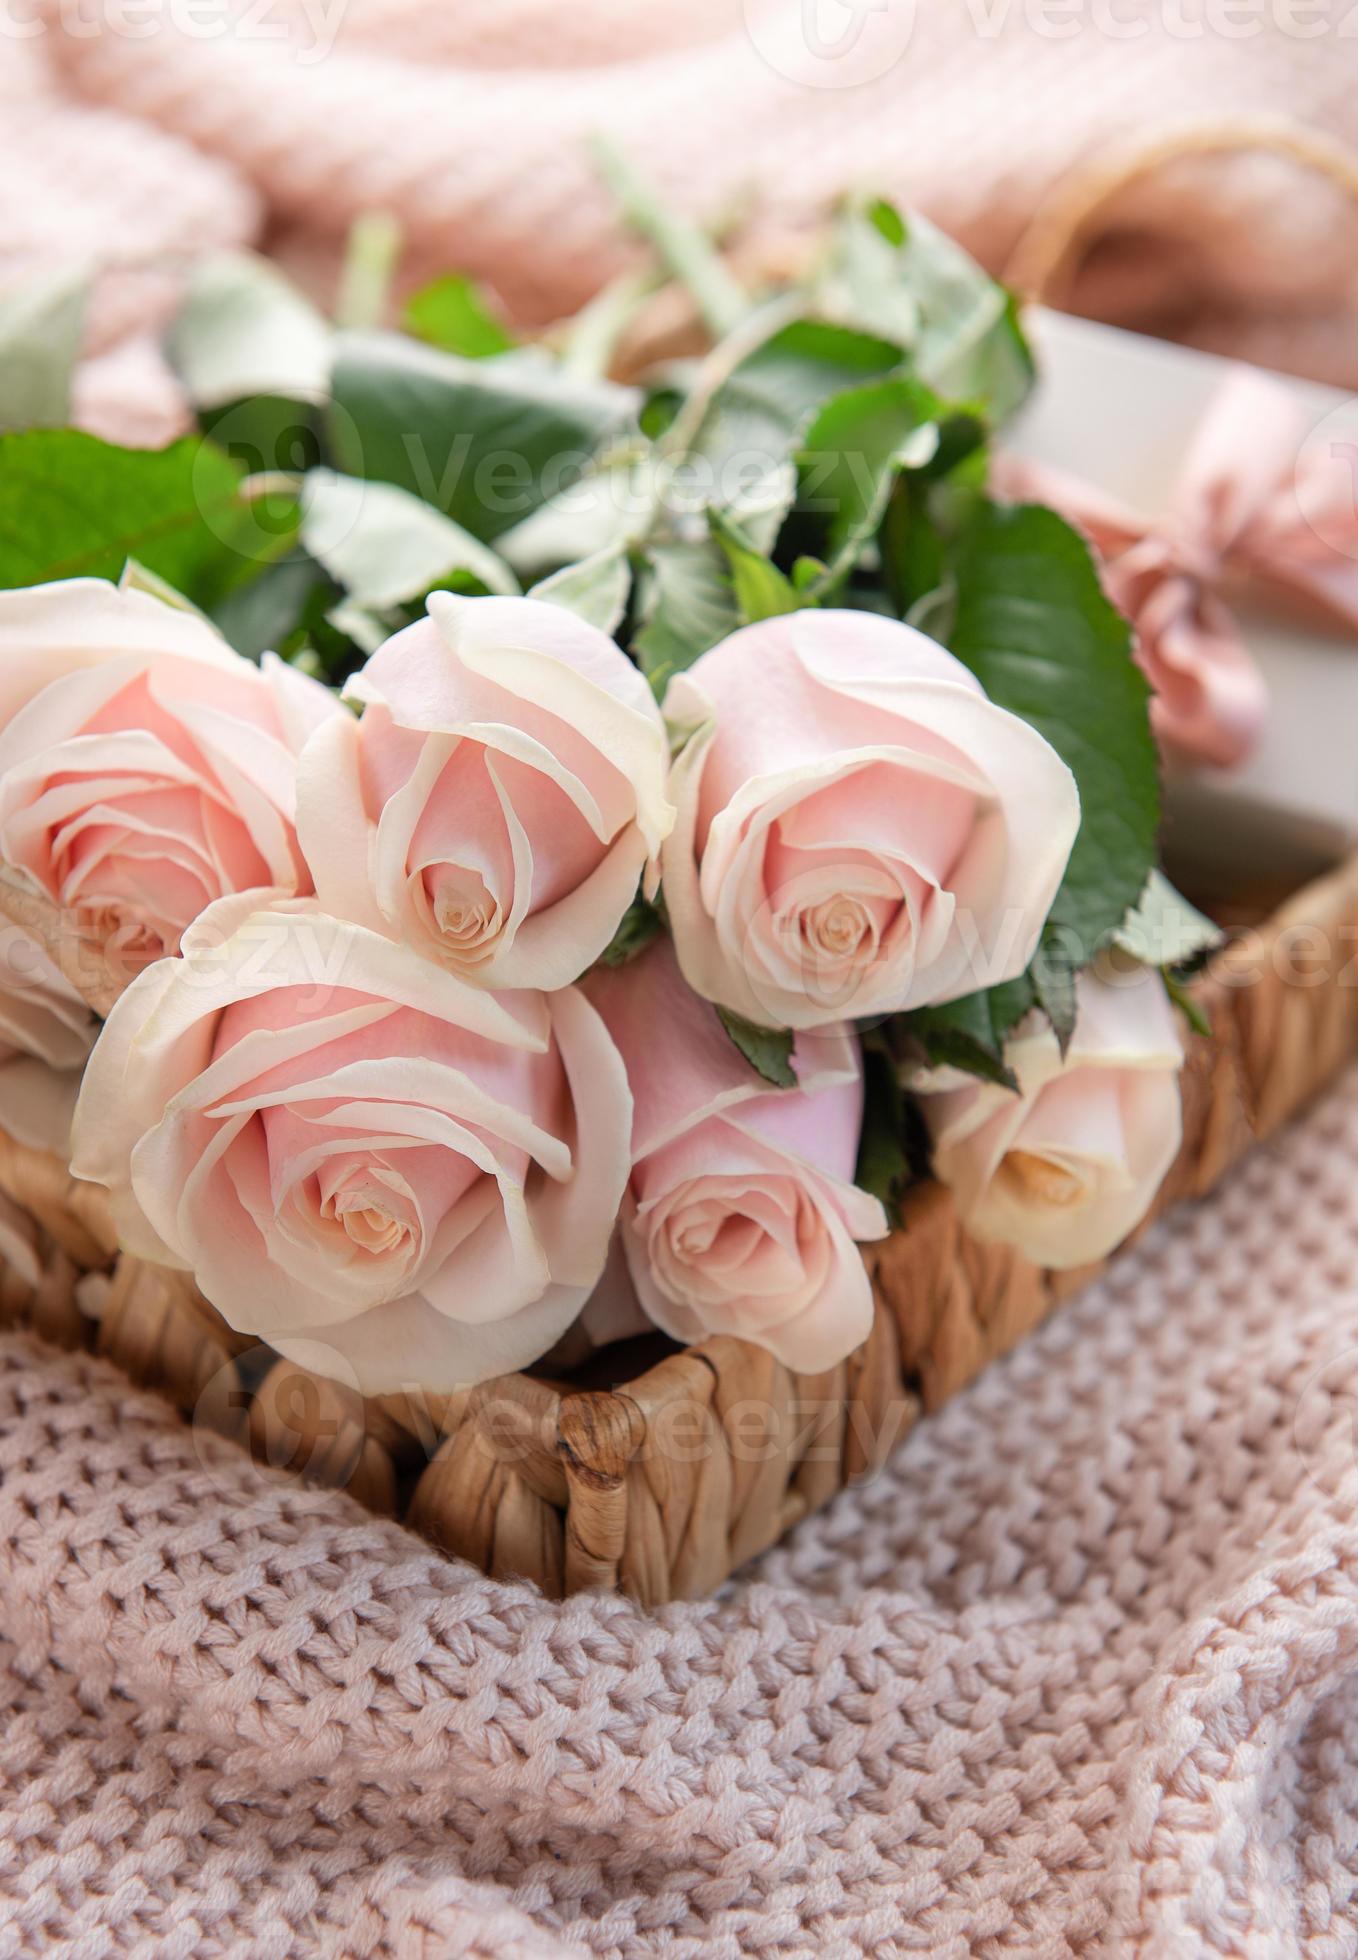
{"x":668,"y":1469}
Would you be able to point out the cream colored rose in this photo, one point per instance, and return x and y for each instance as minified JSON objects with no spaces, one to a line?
{"x":385,"y":1173}
{"x":741,"y":1213}
{"x":46,"y":1032}
{"x":1066,"y":1168}
{"x":860,"y":830}
{"x":502,"y":796}
{"x":150,"y":769}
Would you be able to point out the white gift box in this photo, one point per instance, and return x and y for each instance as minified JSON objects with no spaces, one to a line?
{"x":1118,"y":411}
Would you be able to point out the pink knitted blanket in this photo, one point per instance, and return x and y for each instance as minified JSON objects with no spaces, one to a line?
{"x":1077,"y":1674}
{"x":139,"y":131}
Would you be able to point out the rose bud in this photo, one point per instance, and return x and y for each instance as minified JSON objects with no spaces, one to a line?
{"x":501,"y":797}
{"x":154,"y":772}
{"x":860,"y":830}
{"x":1068,"y":1166}
{"x":391,"y":1176}
{"x":741,"y":1212}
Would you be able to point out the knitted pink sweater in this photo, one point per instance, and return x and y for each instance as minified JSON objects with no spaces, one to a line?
{"x":1077,"y":1674}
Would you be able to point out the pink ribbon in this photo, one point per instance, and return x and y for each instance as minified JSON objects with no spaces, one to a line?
{"x":1253,"y":503}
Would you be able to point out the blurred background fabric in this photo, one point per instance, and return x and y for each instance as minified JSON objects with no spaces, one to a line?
{"x":142,"y":131}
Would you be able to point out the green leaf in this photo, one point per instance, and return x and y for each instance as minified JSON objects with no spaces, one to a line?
{"x":767,"y":402}
{"x":886,"y":219}
{"x":267,"y":435}
{"x":925,"y":493}
{"x":278,"y":610}
{"x":657,"y":413}
{"x":72,"y":506}
{"x":997,"y":371}
{"x":734,"y":447}
{"x":454,"y":314}
{"x":40,"y":327}
{"x":1163,"y":929}
{"x":759,"y":505}
{"x":613,"y":504}
{"x":320,"y":645}
{"x":386,"y":547}
{"x":686,"y":607}
{"x":761,"y":590}
{"x":641,"y":923}
{"x":767,"y":1050}
{"x":970,"y":1033}
{"x":906,"y":279}
{"x":966,"y":1034}
{"x":851,"y":455}
{"x":1053,"y":974}
{"x":596,"y":588}
{"x":884,"y":1165}
{"x":971,"y":345}
{"x":484,"y":441}
{"x":913,"y":548}
{"x":1034,"y":626}
{"x":863,"y":281}
{"x":242,"y":330}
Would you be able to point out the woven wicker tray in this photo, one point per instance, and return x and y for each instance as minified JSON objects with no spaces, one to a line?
{"x":663,"y":1470}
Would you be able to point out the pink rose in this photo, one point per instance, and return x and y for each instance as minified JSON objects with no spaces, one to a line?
{"x":501,"y":797}
{"x":387,"y":1174}
{"x":47,"y":631}
{"x":46,"y":1032}
{"x":860,"y":830}
{"x":1067,"y":1167}
{"x":741,"y":1212}
{"x":151,"y":769}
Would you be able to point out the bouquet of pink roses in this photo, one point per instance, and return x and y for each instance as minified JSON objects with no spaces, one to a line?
{"x":558,"y":853}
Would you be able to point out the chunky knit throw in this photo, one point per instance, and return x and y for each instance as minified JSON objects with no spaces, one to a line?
{"x":139,"y":132}
{"x":1077,"y":1674}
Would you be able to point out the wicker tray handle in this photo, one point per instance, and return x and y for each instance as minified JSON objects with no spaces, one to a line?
{"x":1041,"y":265}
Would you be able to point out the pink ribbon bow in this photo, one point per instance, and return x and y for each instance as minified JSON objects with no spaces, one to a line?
{"x":1253,"y":503}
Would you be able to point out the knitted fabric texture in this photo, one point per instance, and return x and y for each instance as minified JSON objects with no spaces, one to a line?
{"x":143,"y":135}
{"x":1077,"y":1674}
